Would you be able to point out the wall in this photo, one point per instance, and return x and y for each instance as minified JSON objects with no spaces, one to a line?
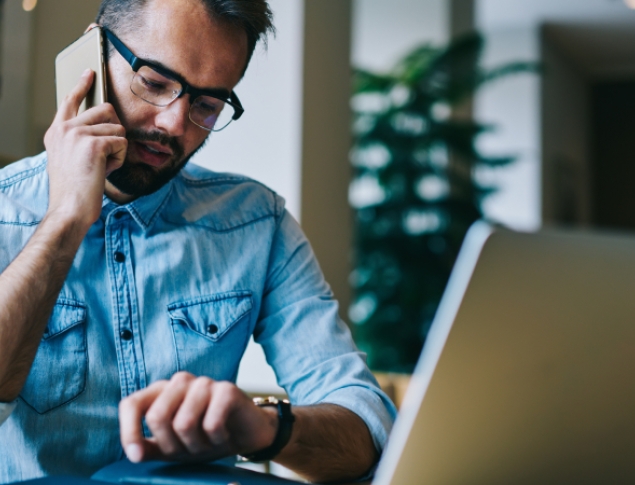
{"x":512,"y":107}
{"x":16,"y":80}
{"x":383,"y":31}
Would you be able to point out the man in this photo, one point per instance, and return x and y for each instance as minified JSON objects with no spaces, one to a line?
{"x":127,"y":275}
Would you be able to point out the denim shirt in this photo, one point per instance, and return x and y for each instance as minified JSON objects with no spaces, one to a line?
{"x":175,"y":281}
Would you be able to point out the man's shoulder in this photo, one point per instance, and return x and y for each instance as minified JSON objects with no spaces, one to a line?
{"x":197,"y":176}
{"x":224,"y":201}
{"x":24,"y":191}
{"x":25,"y":169}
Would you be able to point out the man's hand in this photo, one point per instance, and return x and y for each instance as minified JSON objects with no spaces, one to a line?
{"x":82,"y":150}
{"x":200,"y":419}
{"x":194,"y":418}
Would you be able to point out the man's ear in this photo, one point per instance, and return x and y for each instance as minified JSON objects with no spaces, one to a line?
{"x":91,"y":27}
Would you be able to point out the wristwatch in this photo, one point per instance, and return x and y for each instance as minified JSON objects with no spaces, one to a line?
{"x":285,"y":426}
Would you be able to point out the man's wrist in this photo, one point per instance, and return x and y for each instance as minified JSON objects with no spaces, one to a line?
{"x":285,"y":420}
{"x":67,"y":223}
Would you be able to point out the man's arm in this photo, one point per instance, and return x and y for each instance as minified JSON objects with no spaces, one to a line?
{"x":329,"y":443}
{"x":81,"y":150}
{"x":200,"y":419}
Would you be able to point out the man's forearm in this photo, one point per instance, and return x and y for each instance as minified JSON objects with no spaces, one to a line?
{"x":328,"y":443}
{"x":29,"y":288}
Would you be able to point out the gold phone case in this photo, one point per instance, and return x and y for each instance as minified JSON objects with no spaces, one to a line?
{"x":86,"y":52}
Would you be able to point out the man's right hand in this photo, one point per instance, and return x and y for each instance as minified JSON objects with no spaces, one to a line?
{"x":82,"y":150}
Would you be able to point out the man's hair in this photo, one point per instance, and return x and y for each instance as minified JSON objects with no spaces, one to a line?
{"x":254,"y":17}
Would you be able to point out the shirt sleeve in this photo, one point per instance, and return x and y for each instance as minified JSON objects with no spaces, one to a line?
{"x":6,"y":408}
{"x":309,"y":347}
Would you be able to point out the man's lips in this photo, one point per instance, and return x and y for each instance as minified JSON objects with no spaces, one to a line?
{"x":152,"y":153}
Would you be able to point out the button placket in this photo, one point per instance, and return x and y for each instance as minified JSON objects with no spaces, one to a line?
{"x":125,"y":314}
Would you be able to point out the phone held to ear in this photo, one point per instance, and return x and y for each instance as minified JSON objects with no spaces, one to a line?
{"x":86,"y":52}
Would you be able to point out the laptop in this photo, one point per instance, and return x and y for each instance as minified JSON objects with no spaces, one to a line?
{"x":527,"y":375}
{"x":528,"y":372}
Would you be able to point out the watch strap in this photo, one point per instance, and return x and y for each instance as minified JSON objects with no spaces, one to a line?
{"x":283,"y":435}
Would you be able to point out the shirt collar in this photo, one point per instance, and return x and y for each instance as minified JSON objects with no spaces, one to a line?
{"x":143,"y":210}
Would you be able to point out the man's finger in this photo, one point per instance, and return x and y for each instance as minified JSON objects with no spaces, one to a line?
{"x":160,"y":415}
{"x":71,"y":103}
{"x":103,"y":113}
{"x":117,"y":155}
{"x":189,"y":417}
{"x":131,"y":412}
{"x":225,"y":398}
{"x":104,"y":129}
{"x":145,"y":450}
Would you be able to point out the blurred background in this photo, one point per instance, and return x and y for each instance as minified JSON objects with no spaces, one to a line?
{"x":388,"y":126}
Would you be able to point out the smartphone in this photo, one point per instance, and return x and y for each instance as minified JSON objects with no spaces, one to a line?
{"x":86,"y":52}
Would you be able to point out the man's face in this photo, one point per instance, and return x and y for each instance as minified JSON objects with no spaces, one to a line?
{"x":179,"y":35}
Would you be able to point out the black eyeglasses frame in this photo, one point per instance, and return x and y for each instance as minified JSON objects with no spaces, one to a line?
{"x":137,"y":63}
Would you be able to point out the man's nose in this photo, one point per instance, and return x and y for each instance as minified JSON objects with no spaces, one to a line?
{"x":174,"y":118}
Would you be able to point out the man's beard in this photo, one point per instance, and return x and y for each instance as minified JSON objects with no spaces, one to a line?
{"x":138,"y":179}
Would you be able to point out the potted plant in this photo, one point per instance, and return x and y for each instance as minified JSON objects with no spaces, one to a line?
{"x":414,"y":192}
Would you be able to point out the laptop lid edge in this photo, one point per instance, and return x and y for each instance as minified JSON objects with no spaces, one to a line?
{"x":470,"y":251}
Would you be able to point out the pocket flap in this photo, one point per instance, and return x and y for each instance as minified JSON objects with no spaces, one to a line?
{"x":213,"y":315}
{"x":66,"y":314}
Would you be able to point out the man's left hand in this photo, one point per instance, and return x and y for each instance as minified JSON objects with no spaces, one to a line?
{"x":194,"y":418}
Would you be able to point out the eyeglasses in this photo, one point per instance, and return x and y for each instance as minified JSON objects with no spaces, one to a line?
{"x":211,"y":109}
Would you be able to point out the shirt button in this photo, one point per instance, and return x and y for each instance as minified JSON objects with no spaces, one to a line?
{"x":125,"y":334}
{"x":212,"y":328}
{"x":120,"y":257}
{"x":119,"y":215}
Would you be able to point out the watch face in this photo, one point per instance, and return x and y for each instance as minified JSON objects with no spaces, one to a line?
{"x":266,"y":401}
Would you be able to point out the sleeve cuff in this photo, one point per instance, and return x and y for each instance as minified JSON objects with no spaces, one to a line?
{"x":6,"y":408}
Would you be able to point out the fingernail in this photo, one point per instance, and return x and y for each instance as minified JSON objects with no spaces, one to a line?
{"x":86,"y":72}
{"x":134,"y":452}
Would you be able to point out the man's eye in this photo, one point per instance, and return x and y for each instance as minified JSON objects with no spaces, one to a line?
{"x":209,"y":108}
{"x":152,"y":85}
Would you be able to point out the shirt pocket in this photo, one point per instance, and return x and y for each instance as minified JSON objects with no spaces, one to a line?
{"x":58,"y":374}
{"x":211,"y":333}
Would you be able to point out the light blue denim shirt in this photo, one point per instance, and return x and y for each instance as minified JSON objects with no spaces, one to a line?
{"x":178,"y":280}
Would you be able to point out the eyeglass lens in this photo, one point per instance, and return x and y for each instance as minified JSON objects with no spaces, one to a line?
{"x":160,"y":90}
